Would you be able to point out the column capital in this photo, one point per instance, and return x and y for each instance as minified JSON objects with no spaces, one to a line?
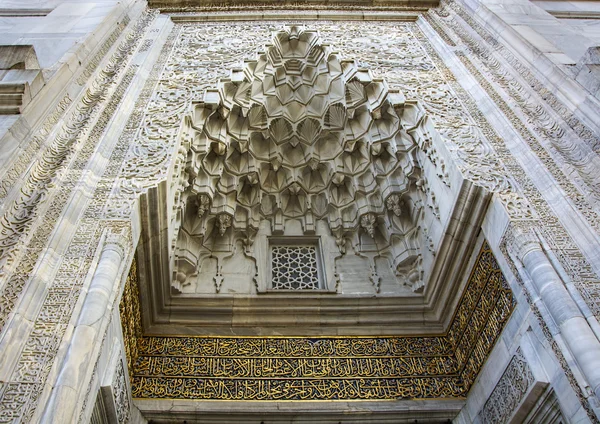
{"x":117,"y":239}
{"x":521,"y":240}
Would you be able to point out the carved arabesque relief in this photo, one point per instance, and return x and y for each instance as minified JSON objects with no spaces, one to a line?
{"x":299,"y":137}
{"x":509,"y":391}
{"x":90,"y":116}
{"x":549,"y":129}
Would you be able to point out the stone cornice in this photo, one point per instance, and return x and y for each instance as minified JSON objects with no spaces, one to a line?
{"x":175,"y":6}
{"x":240,"y":14}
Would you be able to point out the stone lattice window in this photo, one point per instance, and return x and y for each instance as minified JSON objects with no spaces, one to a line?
{"x":294,"y":267}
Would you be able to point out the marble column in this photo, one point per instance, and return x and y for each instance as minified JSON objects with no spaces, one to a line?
{"x":579,"y":337}
{"x":87,"y":334}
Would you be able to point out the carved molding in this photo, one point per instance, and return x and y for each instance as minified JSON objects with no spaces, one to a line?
{"x":38,"y":210}
{"x":259,"y":7}
{"x":86,"y":123}
{"x":546,"y":125}
{"x":551,"y":130}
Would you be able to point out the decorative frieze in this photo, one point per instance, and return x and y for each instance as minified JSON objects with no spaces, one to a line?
{"x":325,"y":368}
{"x":11,"y":174}
{"x":92,"y":65}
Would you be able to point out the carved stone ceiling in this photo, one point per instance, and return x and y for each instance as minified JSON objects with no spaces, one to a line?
{"x":298,"y":135}
{"x":305,"y":145}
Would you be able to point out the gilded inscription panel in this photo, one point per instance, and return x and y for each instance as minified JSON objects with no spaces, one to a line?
{"x":323,"y":368}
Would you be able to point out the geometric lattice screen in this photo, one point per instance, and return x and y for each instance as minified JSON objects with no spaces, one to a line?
{"x":294,"y":267}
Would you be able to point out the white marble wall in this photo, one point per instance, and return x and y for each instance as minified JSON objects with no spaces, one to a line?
{"x":66,"y":41}
{"x":542,"y":51}
{"x":39,"y":149}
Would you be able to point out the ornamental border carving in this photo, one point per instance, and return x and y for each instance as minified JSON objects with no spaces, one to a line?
{"x":551,"y":129}
{"x":569,"y":255}
{"x":509,"y":391}
{"x":328,"y":367}
{"x":11,"y":175}
{"x":19,"y":395}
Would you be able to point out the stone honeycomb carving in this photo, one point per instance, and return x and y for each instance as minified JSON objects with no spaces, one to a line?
{"x":300,"y":135}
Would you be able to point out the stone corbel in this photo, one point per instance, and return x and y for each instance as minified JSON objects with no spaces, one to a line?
{"x":394,"y":204}
{"x":203,"y":203}
{"x":223,"y":223}
{"x":369,"y":223}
